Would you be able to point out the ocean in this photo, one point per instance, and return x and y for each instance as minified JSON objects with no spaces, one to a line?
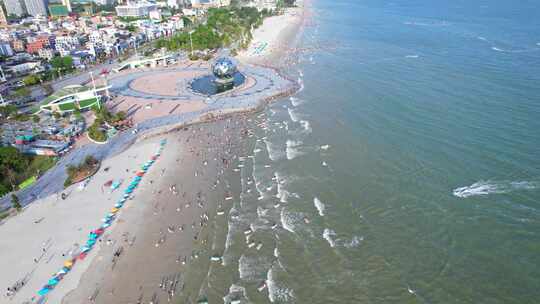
{"x":406,"y":170}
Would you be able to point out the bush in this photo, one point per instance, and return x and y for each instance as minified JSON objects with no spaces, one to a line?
{"x":95,"y":132}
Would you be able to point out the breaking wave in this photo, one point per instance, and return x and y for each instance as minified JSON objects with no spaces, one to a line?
{"x":319,"y":205}
{"x":328,"y":235}
{"x":293,"y":149}
{"x":492,"y":187}
{"x":277,"y":292}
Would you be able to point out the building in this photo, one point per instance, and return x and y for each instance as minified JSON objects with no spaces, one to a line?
{"x":43,"y":147}
{"x":139,"y":9}
{"x":34,"y":44}
{"x":3,"y":18}
{"x":67,"y":4}
{"x":14,"y":7}
{"x":58,"y":10}
{"x":5,"y":49}
{"x":71,"y":98}
{"x":47,"y":54}
{"x":18,"y":45}
{"x":36,"y":7}
{"x":104,"y":2}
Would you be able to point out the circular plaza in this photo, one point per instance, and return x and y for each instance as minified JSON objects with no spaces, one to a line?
{"x":156,"y":92}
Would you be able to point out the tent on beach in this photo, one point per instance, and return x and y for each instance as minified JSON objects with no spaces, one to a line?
{"x":68,"y":263}
{"x":43,"y":291}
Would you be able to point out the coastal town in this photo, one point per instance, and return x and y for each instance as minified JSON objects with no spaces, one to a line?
{"x":56,"y":59}
{"x":84,"y":85}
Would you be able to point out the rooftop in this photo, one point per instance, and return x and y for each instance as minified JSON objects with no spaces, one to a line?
{"x":66,"y":91}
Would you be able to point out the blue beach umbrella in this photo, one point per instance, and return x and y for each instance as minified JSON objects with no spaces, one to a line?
{"x":43,"y":291}
{"x":52,"y":282}
{"x":85,"y":248}
{"x":105,"y":225}
{"x":118,"y":205}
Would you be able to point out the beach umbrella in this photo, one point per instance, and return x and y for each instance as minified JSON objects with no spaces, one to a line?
{"x":92,"y":236}
{"x":61,"y":272}
{"x":52,"y":282}
{"x":117,"y":205}
{"x":90,"y":243}
{"x":122,"y":200}
{"x":99,"y":231}
{"x":140,"y":173}
{"x":126,"y":195}
{"x":128,"y":190}
{"x":114,"y":210}
{"x":85,"y":248}
{"x":105,"y":225}
{"x":68,"y":263}
{"x":82,"y":255}
{"x":43,"y":291}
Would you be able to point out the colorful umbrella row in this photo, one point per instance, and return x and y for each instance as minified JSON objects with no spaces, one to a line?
{"x":95,"y":234}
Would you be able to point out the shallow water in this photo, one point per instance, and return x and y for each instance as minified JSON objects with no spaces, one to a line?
{"x":405,"y":171}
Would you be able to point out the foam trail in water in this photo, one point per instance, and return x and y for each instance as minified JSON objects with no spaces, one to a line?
{"x":306,"y":126}
{"x":293,"y":115}
{"x":328,"y":235}
{"x":493,"y":187}
{"x":274,"y":153}
{"x":319,"y":205}
{"x":293,"y":149}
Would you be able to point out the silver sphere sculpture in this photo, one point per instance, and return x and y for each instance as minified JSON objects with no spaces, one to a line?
{"x":223,"y":68}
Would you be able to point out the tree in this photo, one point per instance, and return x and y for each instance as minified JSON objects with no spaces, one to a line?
{"x":15,"y":202}
{"x":30,"y":80}
{"x":5,"y":111}
{"x":21,"y":92}
{"x":62,"y":65}
{"x":56,"y":115}
{"x":35,"y":118}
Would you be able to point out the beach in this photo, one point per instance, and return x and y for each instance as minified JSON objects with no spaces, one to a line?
{"x":273,"y":41}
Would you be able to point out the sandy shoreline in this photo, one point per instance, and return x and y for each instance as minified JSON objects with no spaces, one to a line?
{"x":273,"y":40}
{"x":51,"y":227}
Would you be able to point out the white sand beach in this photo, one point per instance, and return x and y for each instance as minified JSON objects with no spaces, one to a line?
{"x":272,"y":40}
{"x":35,"y":243}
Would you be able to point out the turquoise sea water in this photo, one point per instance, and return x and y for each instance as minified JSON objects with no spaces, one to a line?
{"x":407,"y":170}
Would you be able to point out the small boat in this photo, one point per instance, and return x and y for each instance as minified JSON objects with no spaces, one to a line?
{"x":220,"y":212}
{"x":262,"y":286}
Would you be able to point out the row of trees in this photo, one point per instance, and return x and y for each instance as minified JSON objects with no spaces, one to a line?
{"x":225,"y":27}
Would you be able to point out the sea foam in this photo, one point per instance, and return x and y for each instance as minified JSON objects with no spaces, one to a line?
{"x":319,"y":205}
{"x":276,"y":292}
{"x":493,"y":187}
{"x":328,"y":235}
{"x":293,"y":149}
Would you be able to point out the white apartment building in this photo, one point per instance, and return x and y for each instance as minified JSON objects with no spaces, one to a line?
{"x":138,"y":9}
